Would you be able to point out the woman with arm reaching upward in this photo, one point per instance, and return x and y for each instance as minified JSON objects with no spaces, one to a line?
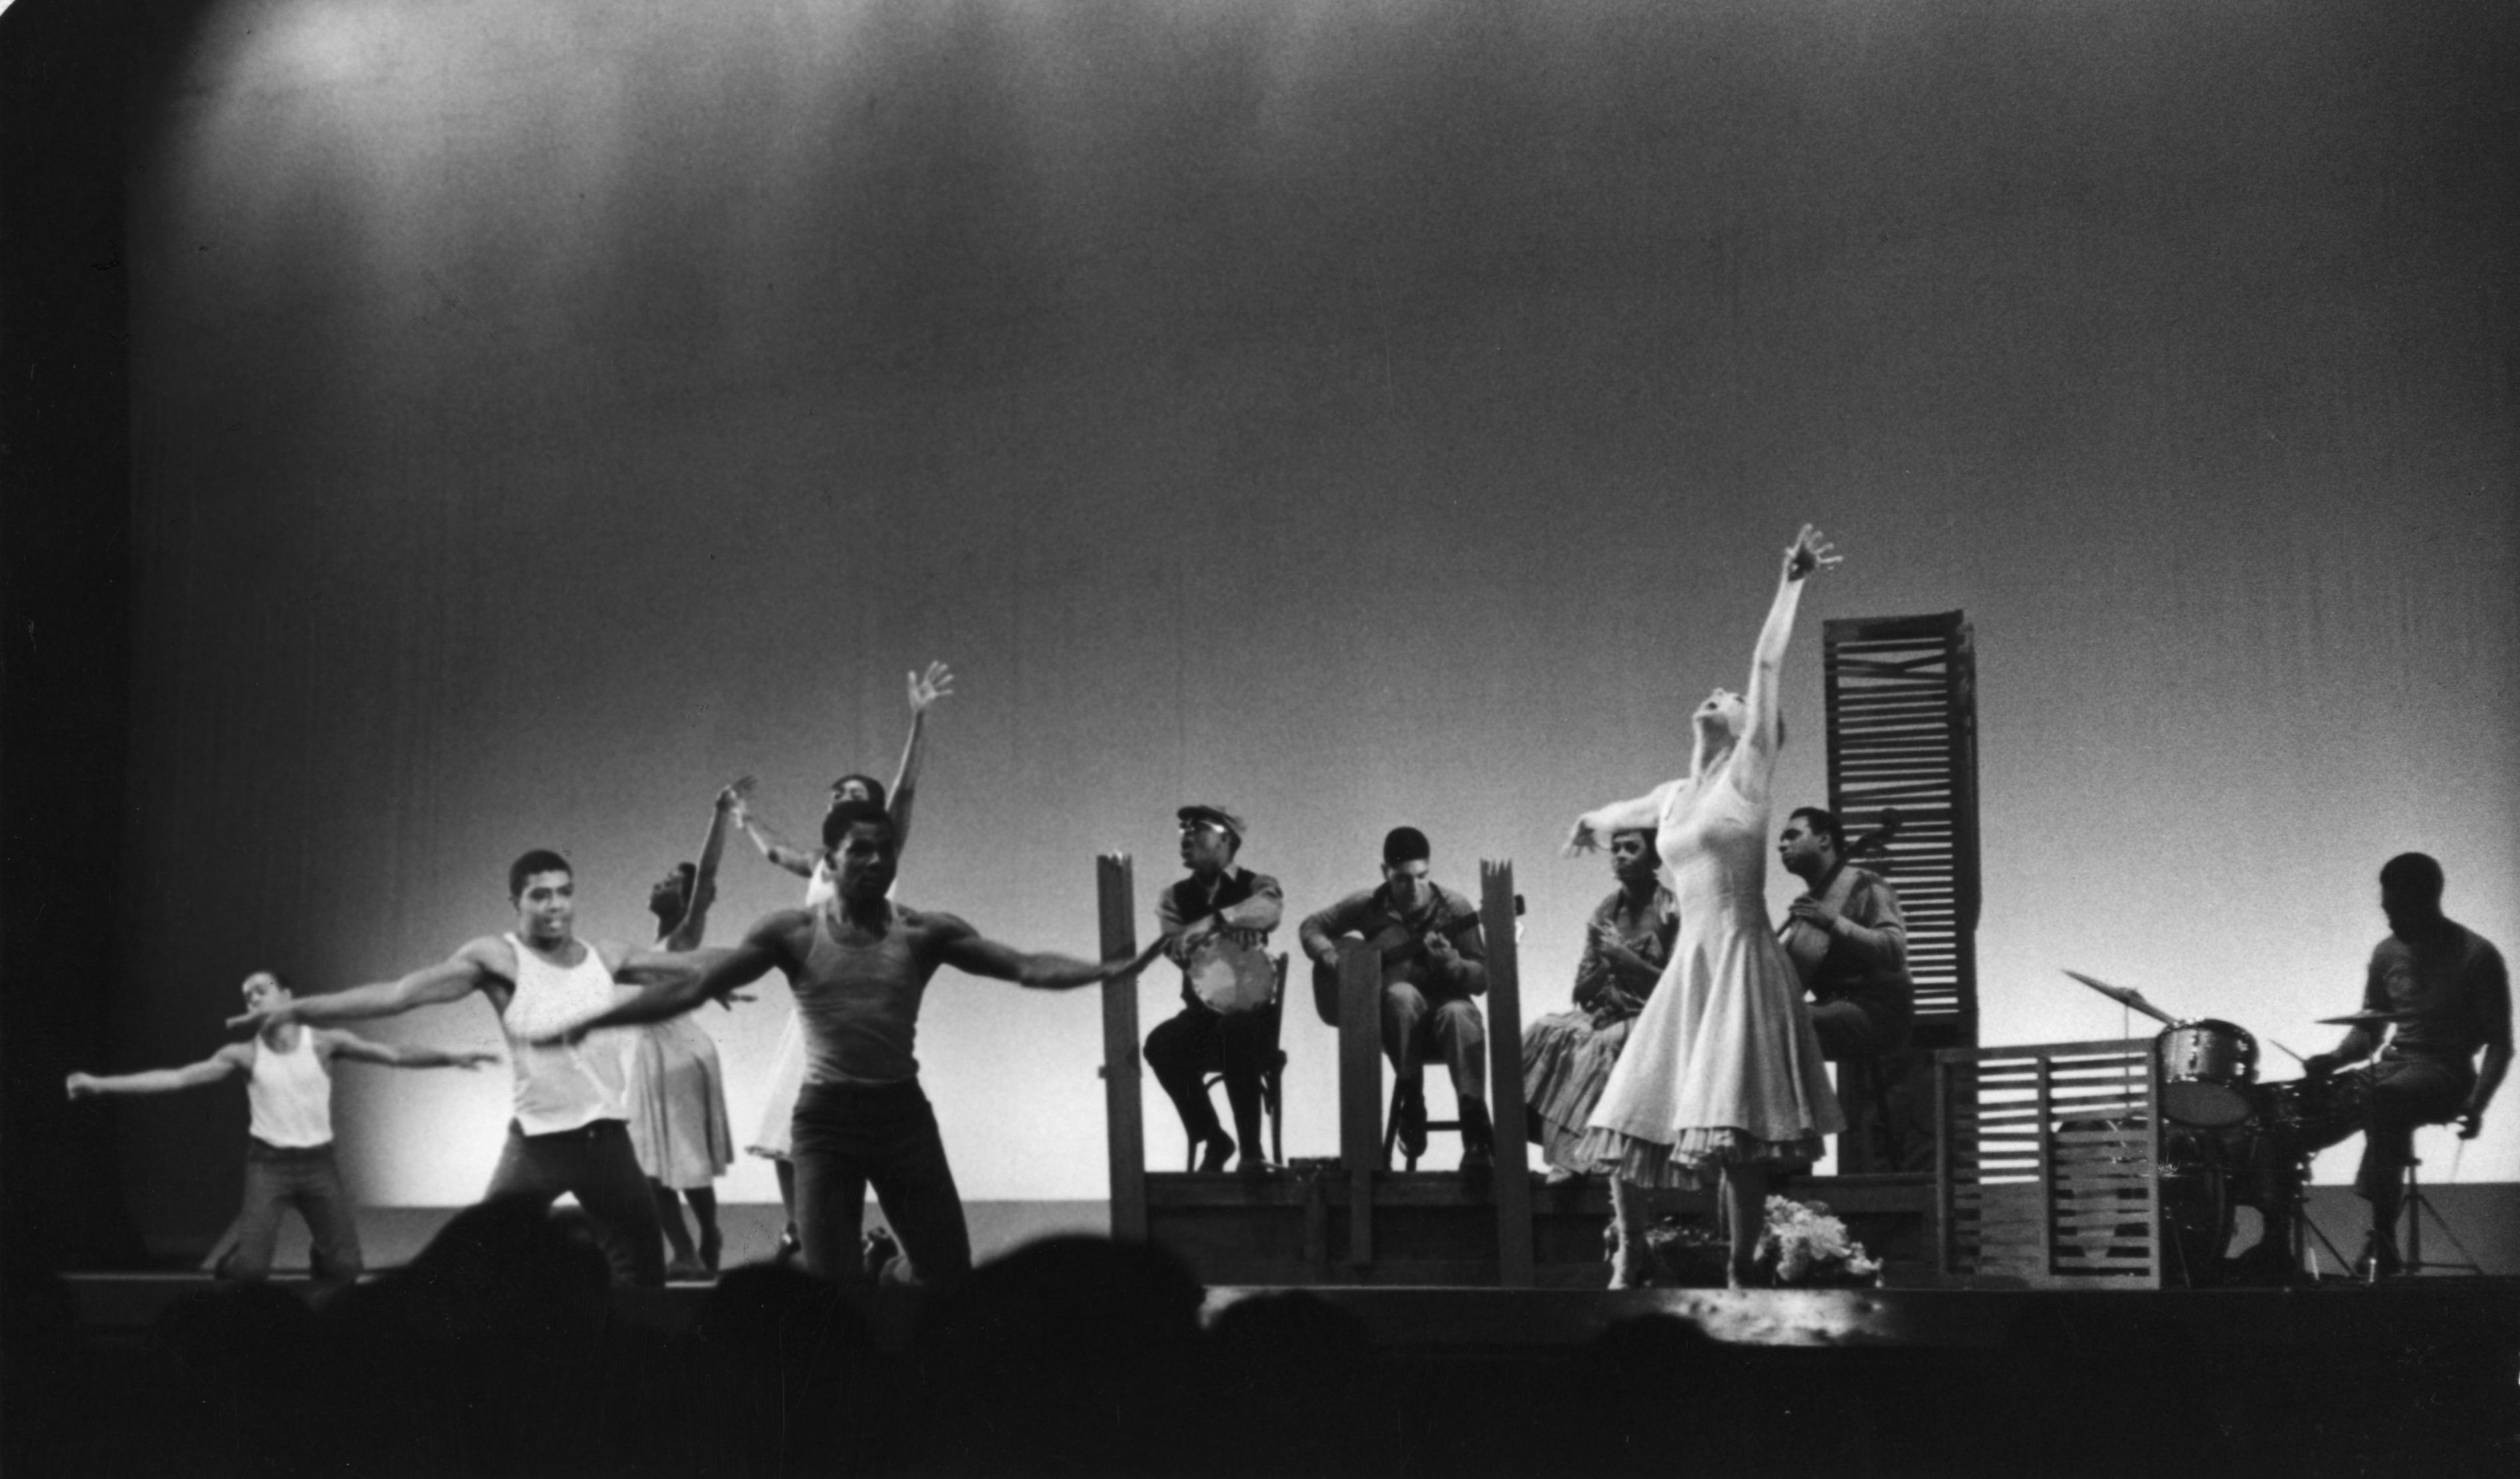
{"x":1721,"y":1074}
{"x":677,"y":1099}
{"x":770,"y":1140}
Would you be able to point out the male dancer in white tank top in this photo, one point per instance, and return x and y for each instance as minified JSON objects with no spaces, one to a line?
{"x":859,"y":967}
{"x":288,"y":1161}
{"x":571,"y":1128}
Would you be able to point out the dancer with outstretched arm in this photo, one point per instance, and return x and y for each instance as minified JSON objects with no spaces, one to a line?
{"x":1720,"y":1075}
{"x":859,"y":967}
{"x":288,"y":1159}
{"x":571,"y":1131}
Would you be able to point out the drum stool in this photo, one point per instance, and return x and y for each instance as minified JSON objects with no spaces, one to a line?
{"x":2414,"y":1206}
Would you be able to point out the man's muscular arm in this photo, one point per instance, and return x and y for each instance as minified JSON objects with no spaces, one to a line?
{"x":234,"y":1059}
{"x":359,"y":1050}
{"x":687,"y":980}
{"x":450,"y":980}
{"x":955,"y":943}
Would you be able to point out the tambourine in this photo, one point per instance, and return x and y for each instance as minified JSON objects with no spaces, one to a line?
{"x":1230,"y":977}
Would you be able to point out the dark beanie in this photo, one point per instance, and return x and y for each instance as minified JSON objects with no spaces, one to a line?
{"x":1405,"y":844}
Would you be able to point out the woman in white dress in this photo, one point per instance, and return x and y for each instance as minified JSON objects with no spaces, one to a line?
{"x":679,"y":1127}
{"x":771,"y":1137}
{"x":1721,"y":1074}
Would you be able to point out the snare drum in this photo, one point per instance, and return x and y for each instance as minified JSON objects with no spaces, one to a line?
{"x":1230,"y":977}
{"x":2206,"y":1069}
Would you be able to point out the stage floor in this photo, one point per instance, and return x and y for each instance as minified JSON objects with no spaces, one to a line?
{"x":2425,"y":1310}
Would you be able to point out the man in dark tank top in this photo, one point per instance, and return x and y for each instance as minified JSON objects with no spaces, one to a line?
{"x":859,"y":967}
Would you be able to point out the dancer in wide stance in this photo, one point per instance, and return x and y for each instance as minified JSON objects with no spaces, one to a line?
{"x":813,"y":863}
{"x":1721,"y":1074}
{"x":288,"y":1161}
{"x":859,"y":967}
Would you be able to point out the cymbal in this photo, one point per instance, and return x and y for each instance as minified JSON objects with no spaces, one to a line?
{"x":2125,"y":996}
{"x":2367,"y":1019}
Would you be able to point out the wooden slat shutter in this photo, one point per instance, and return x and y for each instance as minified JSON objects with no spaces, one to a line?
{"x":1901,"y":696}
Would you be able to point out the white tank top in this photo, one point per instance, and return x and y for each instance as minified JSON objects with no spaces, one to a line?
{"x":567,"y":1086}
{"x":291,"y":1095}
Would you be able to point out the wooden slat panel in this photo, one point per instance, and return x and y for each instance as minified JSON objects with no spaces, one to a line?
{"x":1902,"y":733}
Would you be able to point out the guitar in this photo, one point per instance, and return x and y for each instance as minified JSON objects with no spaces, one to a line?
{"x":1396,"y":946}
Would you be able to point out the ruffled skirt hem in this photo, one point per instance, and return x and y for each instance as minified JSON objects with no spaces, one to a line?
{"x":1696,"y":1158}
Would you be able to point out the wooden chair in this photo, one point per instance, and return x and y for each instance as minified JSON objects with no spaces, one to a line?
{"x":1273,"y":1073}
{"x":1391,"y":1129}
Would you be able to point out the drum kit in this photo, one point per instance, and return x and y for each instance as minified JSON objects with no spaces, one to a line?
{"x":2229,"y":1141}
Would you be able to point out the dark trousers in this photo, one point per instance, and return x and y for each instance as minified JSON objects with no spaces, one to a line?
{"x":279,"y":1177}
{"x":2401,"y":1092}
{"x":1850,"y":1029}
{"x":849,"y":1136}
{"x":594,"y":1164}
{"x":1196,"y":1042}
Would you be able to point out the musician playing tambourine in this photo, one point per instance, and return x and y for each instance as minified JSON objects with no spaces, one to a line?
{"x":1216,"y":925}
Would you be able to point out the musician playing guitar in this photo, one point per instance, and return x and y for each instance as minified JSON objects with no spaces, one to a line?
{"x":1847,"y":940}
{"x":1216,"y":925}
{"x":1434,"y":960}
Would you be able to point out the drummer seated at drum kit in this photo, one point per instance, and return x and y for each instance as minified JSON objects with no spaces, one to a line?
{"x":1216,"y":925}
{"x":2448,"y":993}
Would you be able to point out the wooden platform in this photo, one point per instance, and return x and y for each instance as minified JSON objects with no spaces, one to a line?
{"x":1439,"y":1228}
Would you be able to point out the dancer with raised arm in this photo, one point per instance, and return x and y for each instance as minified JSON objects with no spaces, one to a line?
{"x":787,"y":1063}
{"x":859,"y":967}
{"x":289,"y":1158}
{"x":1721,"y":1074}
{"x":571,"y":1131}
{"x":678,"y":1122}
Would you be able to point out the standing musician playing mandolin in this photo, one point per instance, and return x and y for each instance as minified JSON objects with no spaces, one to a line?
{"x":1216,"y":925}
{"x":1434,"y":960}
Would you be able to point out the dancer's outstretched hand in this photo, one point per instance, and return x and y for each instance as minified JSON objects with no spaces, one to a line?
{"x":737,"y":798}
{"x":1583,"y":838}
{"x":267,"y":1016}
{"x":82,"y":1086}
{"x":1810,"y":552}
{"x":928,"y":687}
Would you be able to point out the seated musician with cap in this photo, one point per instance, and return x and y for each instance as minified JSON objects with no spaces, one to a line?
{"x":2449,"y":995}
{"x":1434,"y":960}
{"x":1215,"y":925}
{"x":1848,"y":942}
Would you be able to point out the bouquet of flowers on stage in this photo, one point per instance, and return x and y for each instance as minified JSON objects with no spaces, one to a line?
{"x":1803,"y":1246}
